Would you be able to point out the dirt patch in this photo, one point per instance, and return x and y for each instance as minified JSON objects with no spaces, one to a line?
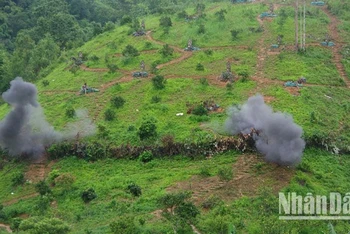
{"x":38,"y":171}
{"x":295,"y":91}
{"x":6,"y":227}
{"x":250,"y":174}
{"x":269,"y":99}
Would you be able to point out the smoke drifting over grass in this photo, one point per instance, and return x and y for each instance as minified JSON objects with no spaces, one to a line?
{"x":278,"y":138}
{"x":25,"y":130}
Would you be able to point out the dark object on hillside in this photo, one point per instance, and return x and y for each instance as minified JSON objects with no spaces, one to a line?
{"x":134,"y":189}
{"x":88,"y":195}
{"x":138,"y":33}
{"x":190,"y":47}
{"x":208,"y":105}
{"x":318,"y":3}
{"x":140,"y":74}
{"x":292,"y":84}
{"x":301,"y":80}
{"x":227,"y":75}
{"x":88,"y":90}
{"x":267,"y":14}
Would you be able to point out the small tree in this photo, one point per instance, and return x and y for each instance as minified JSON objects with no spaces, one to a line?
{"x":148,"y":129}
{"x":134,"y":189}
{"x":166,"y":50}
{"x":112,"y":67}
{"x":88,"y":195}
{"x":70,"y":112}
{"x":158,"y":82}
{"x":130,"y":51}
{"x":201,"y":29}
{"x":199,"y":67}
{"x":109,"y":115}
{"x":221,"y":14}
{"x":165,"y":21}
{"x":244,"y":75}
{"x":234,"y":34}
{"x":118,"y":101}
{"x":42,"y":188}
{"x":123,"y":225}
{"x":200,"y":110}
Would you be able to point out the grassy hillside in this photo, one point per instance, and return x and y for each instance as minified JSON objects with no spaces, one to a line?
{"x":237,"y":189}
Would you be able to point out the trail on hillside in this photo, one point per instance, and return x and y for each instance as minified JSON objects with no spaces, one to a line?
{"x":7,"y":227}
{"x":337,"y":57}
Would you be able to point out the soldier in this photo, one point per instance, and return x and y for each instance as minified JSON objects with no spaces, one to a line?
{"x":143,"y":27}
{"x":228,"y":67}
{"x":189,"y":44}
{"x":80,"y":55}
{"x":271,"y":8}
{"x":142,"y":65}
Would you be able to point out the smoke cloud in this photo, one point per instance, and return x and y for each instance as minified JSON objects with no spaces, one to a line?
{"x":25,"y":130}
{"x":278,"y":137}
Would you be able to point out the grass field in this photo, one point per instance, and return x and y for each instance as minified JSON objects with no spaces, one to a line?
{"x":248,"y":200}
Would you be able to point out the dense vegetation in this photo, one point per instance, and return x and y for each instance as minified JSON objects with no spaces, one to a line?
{"x":176,"y":181}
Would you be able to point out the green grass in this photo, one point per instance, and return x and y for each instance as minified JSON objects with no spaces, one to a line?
{"x":315,"y":65}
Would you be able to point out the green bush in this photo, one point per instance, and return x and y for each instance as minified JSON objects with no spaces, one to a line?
{"x":229,"y":86}
{"x":134,"y":189}
{"x":204,"y":171}
{"x":88,"y":195}
{"x":203,"y":81}
{"x":158,"y":82}
{"x":130,"y":51}
{"x":45,"y":83}
{"x":70,"y":112}
{"x":225,"y":173}
{"x":18,"y":179}
{"x":118,"y":101}
{"x":199,"y":67}
{"x":212,"y":202}
{"x":165,"y":21}
{"x":201,"y":29}
{"x":146,"y":156}
{"x":60,"y":150}
{"x":148,"y":129}
{"x":36,"y":225}
{"x":65,"y":181}
{"x":42,"y":188}
{"x":166,"y":50}
{"x":156,"y":99}
{"x":208,"y":52}
{"x":234,"y":34}
{"x":109,"y":115}
{"x":200,"y":110}
{"x":112,"y":67}
{"x":123,"y":225}
{"x":94,"y":58}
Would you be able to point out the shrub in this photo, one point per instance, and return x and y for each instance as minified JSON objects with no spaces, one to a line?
{"x":94,"y":58}
{"x":88,"y":195}
{"x":204,"y":171}
{"x":112,"y":67}
{"x":156,"y":99}
{"x":123,"y":225}
{"x":203,"y":81}
{"x":126,"y":19}
{"x":45,"y":83}
{"x":42,"y":188}
{"x":118,"y":101}
{"x":221,"y":14}
{"x":109,"y":115}
{"x":52,"y":176}
{"x":165,"y":21}
{"x":186,"y":210}
{"x":199,"y":67}
{"x":229,"y":86}
{"x":208,"y":52}
{"x":158,"y":82}
{"x":154,"y":68}
{"x":60,"y":150}
{"x":18,"y":179}
{"x":146,"y":156}
{"x":201,"y":29}
{"x":234,"y":34}
{"x":74,"y":69}
{"x":42,"y":205}
{"x":134,"y":189}
{"x":244,"y":75}
{"x":148,"y":45}
{"x":182,"y":15}
{"x":109,"y":26}
{"x":130,"y":51}
{"x":70,"y":112}
{"x":200,"y":110}
{"x":37,"y":225}
{"x":148,"y":129}
{"x":225,"y":173}
{"x":166,"y":50}
{"x":65,"y":181}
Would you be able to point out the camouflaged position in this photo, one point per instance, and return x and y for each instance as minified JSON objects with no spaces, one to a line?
{"x":227,"y":75}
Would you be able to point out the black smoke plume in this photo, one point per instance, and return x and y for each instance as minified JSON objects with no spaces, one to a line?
{"x":277,"y":137}
{"x":25,"y":130}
